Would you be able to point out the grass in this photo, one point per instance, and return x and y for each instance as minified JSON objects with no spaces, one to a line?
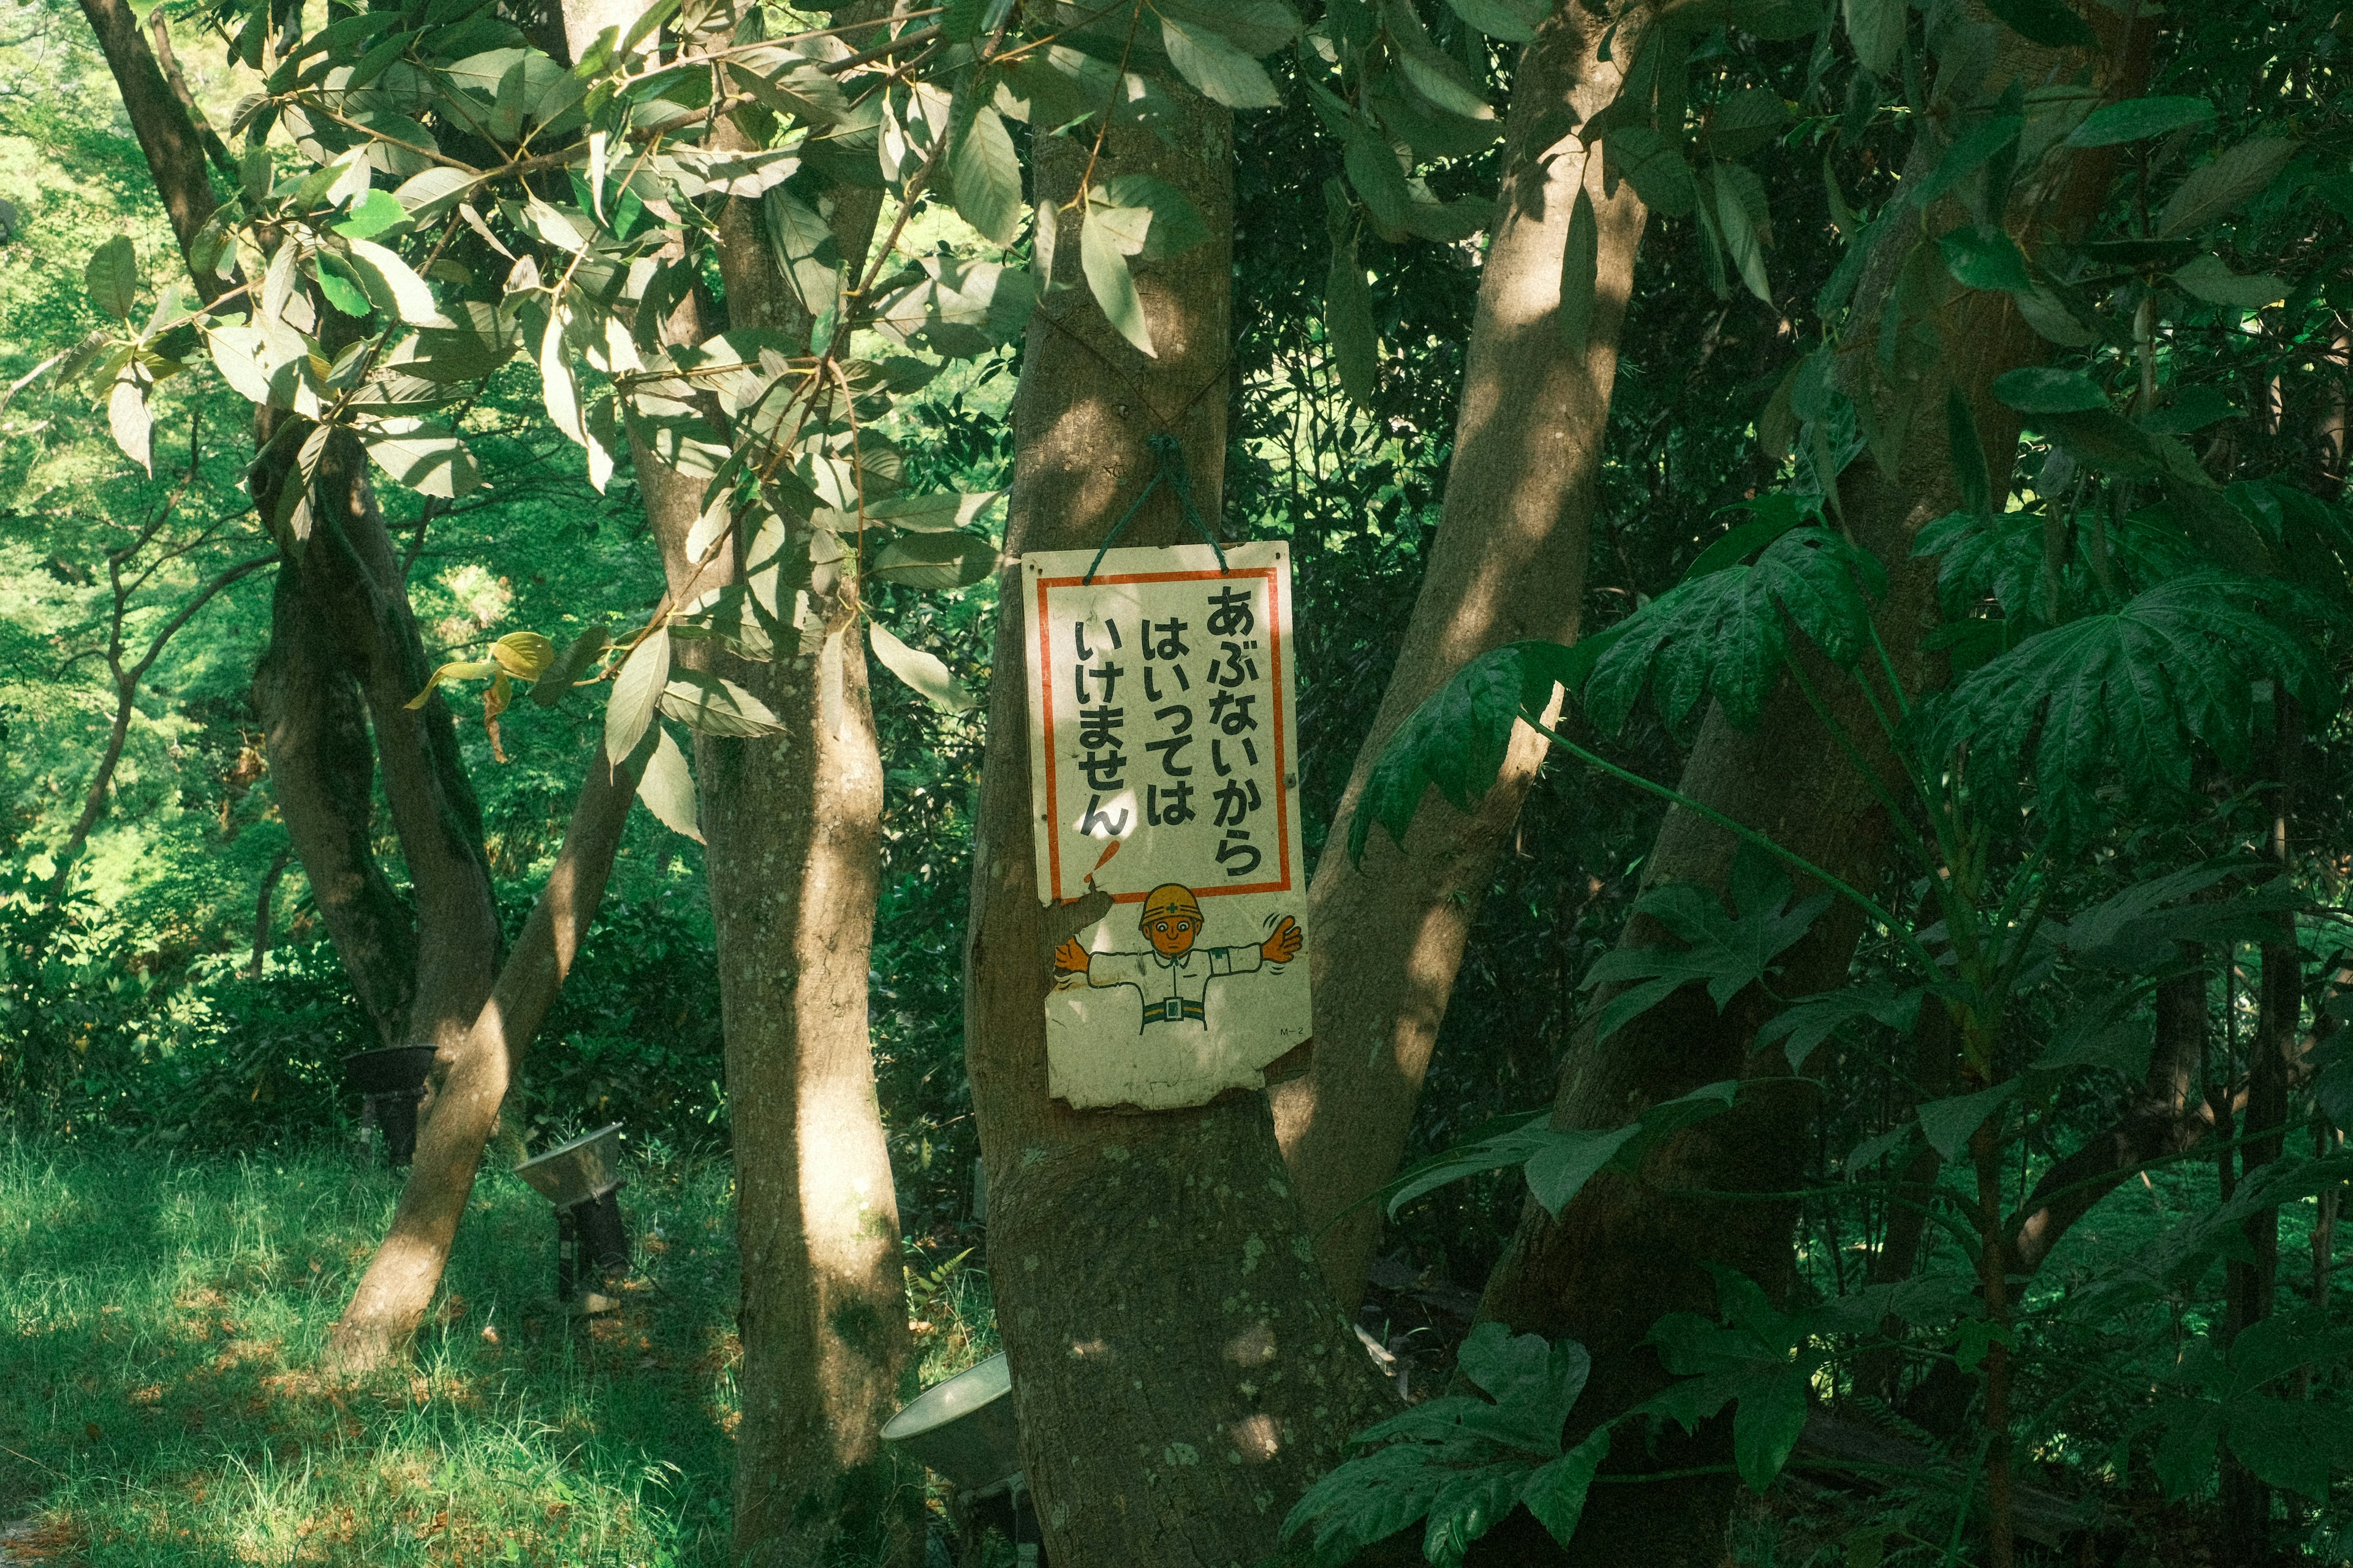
{"x":159,"y":1319}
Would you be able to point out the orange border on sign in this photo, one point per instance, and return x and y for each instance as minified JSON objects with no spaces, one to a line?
{"x":1274,"y":659}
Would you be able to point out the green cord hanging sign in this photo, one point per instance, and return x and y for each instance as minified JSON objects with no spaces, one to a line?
{"x":1164,"y":771}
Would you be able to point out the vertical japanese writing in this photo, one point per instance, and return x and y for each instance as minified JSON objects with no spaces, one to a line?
{"x":1100,"y":722}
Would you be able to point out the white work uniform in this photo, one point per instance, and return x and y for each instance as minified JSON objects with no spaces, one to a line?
{"x":1174,"y":990}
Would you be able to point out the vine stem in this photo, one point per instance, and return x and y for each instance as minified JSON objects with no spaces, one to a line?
{"x":1993,"y":1255}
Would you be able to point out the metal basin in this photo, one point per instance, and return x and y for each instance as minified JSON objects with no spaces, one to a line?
{"x":964,"y":1428}
{"x":587,"y":1167}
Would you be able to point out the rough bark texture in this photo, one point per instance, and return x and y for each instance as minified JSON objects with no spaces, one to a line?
{"x":794,"y":828}
{"x":1625,"y":1252}
{"x":167,"y":135}
{"x":1179,"y":1370}
{"x":1509,"y":565}
{"x":402,"y":1277}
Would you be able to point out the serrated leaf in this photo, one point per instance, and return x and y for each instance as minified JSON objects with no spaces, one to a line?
{"x":556,"y":684}
{"x":2208,"y":278}
{"x":1556,"y":1493}
{"x":985,"y":178}
{"x":1469,"y":1505}
{"x":392,"y":285}
{"x":1726,"y":634}
{"x":1513,"y":21}
{"x":937,"y":562}
{"x":635,"y":692}
{"x":1875,"y":28}
{"x":110,"y":279}
{"x":1177,"y":224}
{"x":1983,"y":257}
{"x":558,"y":387}
{"x":933,"y":512}
{"x":1437,"y":76}
{"x":1948,"y":1123}
{"x":2215,"y":188}
{"x":2139,"y":119}
{"x":339,"y":284}
{"x":667,"y":787}
{"x":1806,"y":1022}
{"x":1217,"y":68}
{"x":1110,"y":283}
{"x":372,"y":215}
{"x":711,"y":705}
{"x":1348,"y":317}
{"x":130,"y":421}
{"x":1745,"y":121}
{"x":923,"y":672}
{"x":1728,"y":944}
{"x":1654,"y":166}
{"x":431,"y":462}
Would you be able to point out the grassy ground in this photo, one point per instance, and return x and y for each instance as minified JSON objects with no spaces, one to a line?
{"x":159,"y":1319}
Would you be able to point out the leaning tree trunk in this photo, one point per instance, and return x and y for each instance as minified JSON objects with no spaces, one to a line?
{"x":1625,"y":1252}
{"x":793,"y":826}
{"x":1179,"y":1370}
{"x":1509,"y":565}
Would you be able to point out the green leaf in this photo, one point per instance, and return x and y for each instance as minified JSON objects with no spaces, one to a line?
{"x":1498,"y":1144}
{"x":1456,"y":737}
{"x":1745,"y":121}
{"x":1513,"y":21}
{"x":1983,"y":257}
{"x":558,"y":388}
{"x":2193,"y":408}
{"x":1729,"y":944}
{"x":1373,"y":171}
{"x":1110,"y":283}
{"x":1177,"y":224}
{"x":943,"y":511}
{"x":1556,"y":1493}
{"x":1217,"y":68}
{"x":635,"y":692}
{"x":2040,"y":390}
{"x":1967,"y":455}
{"x":1565,"y":1159}
{"x":1726,"y":634}
{"x":1875,"y":28}
{"x":2215,"y":188}
{"x":581,"y":652}
{"x":2046,"y":22}
{"x":668,"y":788}
{"x":2210,"y":278}
{"x":130,"y":421}
{"x":1948,"y":1123}
{"x":1654,"y":166}
{"x":1772,"y":514}
{"x":339,"y":284}
{"x":1809,"y":1020}
{"x":1436,"y":75}
{"x":1756,"y":1359}
{"x":2139,"y":119}
{"x":1467,"y":1506}
{"x":1969,"y":152}
{"x":1348,"y":307}
{"x":372,"y":215}
{"x":710,"y":705}
{"x":427,"y":461}
{"x":1580,"y":267}
{"x":110,"y":279}
{"x":938,"y":562}
{"x":2118,"y":698}
{"x":985,"y":178}
{"x":1739,"y":225}
{"x":923,"y":672}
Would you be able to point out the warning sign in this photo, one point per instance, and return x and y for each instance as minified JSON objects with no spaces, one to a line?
{"x":1163,"y":767}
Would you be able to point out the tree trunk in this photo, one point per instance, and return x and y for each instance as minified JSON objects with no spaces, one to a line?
{"x":401,"y":1278}
{"x":1626,"y":1251}
{"x":1179,"y":1370}
{"x":167,"y":135}
{"x":1509,"y":565}
{"x":793,"y":825}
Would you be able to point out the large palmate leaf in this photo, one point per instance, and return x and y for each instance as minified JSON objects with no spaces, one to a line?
{"x":2118,"y":698}
{"x":1456,"y":737}
{"x":1726,"y":634}
{"x":1557,"y":1160}
{"x":1729,"y":945}
{"x":1760,"y":1360}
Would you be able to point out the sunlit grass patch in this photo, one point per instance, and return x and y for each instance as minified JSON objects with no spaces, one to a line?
{"x":160,"y":1323}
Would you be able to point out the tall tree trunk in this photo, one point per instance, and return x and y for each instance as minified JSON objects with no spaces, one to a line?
{"x":1509,"y":565}
{"x":793,"y":825}
{"x":400,"y":1280}
{"x":1625,"y":1252}
{"x":1179,"y":1370}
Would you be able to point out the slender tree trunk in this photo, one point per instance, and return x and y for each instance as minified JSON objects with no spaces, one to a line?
{"x":2251,"y":1283}
{"x":400,"y":1280}
{"x":263,"y":903}
{"x":1626,"y":1251}
{"x":1509,"y":565}
{"x":167,"y":136}
{"x":793,"y":825}
{"x":1179,"y":1370}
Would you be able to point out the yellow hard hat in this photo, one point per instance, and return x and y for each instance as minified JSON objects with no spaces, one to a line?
{"x":1170,"y":899}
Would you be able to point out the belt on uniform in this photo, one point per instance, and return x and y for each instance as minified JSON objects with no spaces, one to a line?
{"x":1172,"y":1010}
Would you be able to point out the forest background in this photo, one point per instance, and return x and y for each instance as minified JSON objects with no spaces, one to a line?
{"x":176,"y":1004}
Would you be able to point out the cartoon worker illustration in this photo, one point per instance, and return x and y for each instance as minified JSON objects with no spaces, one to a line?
{"x":1174,"y":978}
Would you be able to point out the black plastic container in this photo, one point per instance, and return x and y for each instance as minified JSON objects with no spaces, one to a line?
{"x":592,"y":1245}
{"x":391,"y":1083}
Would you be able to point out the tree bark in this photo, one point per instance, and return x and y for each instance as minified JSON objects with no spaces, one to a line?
{"x":1509,"y":565}
{"x":793,"y":825}
{"x":400,"y":1280}
{"x":167,"y":135}
{"x":1179,"y":1370}
{"x":1626,"y":1251}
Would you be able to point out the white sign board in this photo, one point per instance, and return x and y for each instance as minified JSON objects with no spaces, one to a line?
{"x":1164,"y":765}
